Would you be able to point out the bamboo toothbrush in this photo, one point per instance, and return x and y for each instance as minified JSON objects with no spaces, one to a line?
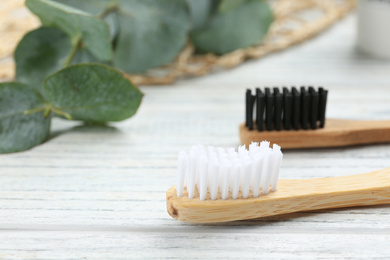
{"x":225,"y":185}
{"x":296,"y":119}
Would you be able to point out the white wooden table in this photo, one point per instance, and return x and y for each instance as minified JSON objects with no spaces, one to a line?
{"x":100,"y":192}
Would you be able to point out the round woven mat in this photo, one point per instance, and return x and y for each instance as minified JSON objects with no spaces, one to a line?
{"x":295,"y":22}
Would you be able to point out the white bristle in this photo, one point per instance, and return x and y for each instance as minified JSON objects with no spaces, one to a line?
{"x":214,"y":179}
{"x":203,"y":178}
{"x":278,"y":156}
{"x":225,"y":179}
{"x":245,"y":177}
{"x":264,"y":145}
{"x":267,"y":171}
{"x":235,"y":179}
{"x":181,"y":171}
{"x":231,"y":150}
{"x":242,"y":151}
{"x":191,"y":173}
{"x":253,"y":149}
{"x":232,"y":155}
{"x":223,"y":173}
{"x":257,"y":171}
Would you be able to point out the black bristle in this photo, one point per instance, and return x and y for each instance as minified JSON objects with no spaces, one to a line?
{"x":305,"y":108}
{"x":322,"y":106}
{"x":296,"y":113}
{"x":287,"y":111}
{"x":247,"y":95}
{"x":260,"y":104}
{"x":251,"y":103}
{"x":278,"y":109}
{"x":314,"y":96}
{"x":269,"y":107}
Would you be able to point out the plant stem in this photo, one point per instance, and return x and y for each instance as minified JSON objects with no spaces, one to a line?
{"x":47,"y":112}
{"x":60,"y":112}
{"x":72,"y":52}
{"x":34,"y":110}
{"x":48,"y":108}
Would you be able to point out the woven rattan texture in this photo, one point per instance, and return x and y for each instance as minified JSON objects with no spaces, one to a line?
{"x":295,"y":21}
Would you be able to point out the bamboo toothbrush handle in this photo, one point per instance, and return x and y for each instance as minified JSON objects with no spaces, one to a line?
{"x":292,"y":196}
{"x":335,"y":133}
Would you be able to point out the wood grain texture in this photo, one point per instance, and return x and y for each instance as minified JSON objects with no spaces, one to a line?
{"x":292,"y":196}
{"x":100,"y":192}
{"x":200,"y":243}
{"x":336,"y":133}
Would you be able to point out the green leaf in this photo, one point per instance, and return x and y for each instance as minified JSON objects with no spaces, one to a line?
{"x":103,"y":9}
{"x":155,"y":33}
{"x":81,"y":27}
{"x":40,"y":53}
{"x":93,"y":93}
{"x":227,"y":5}
{"x":20,"y":131}
{"x":150,"y":33}
{"x":93,"y":7}
{"x":44,"y":51}
{"x":200,"y":11}
{"x":241,"y":27}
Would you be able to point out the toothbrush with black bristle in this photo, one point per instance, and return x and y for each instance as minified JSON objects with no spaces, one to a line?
{"x":222,"y":184}
{"x":295,"y":118}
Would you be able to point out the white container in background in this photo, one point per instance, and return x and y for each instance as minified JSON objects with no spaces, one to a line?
{"x":374,"y":27}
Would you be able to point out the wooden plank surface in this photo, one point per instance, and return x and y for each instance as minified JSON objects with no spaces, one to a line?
{"x":100,"y":192}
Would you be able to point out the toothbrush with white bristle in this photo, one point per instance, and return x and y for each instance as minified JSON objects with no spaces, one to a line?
{"x":216,"y":171}
{"x":220,"y":185}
